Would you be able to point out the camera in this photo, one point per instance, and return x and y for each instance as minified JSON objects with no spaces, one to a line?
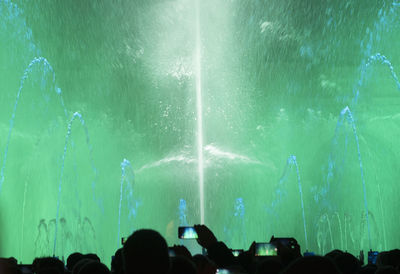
{"x":223,"y":271}
{"x":237,"y":252}
{"x":288,"y":242}
{"x":187,"y":232}
{"x":266,"y":249}
{"x":372,"y":256}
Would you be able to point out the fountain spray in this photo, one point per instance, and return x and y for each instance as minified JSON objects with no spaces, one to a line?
{"x":199,"y":108}
{"x":347,"y":111}
{"x":293,"y":161}
{"x":76,"y":116}
{"x":28,"y":70}
{"x":125,"y":165}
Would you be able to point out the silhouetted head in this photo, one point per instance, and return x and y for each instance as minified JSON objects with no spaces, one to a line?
{"x":334,"y":253}
{"x":78,"y":266}
{"x":347,"y":263}
{"x":116,"y":263}
{"x":146,"y":251}
{"x":311,"y":265}
{"x":9,"y":266}
{"x":42,"y":265}
{"x":269,"y":265}
{"x":93,"y":267}
{"x":92,"y":256}
{"x":73,"y":259}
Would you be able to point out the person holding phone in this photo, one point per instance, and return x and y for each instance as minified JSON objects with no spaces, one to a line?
{"x":217,"y":251}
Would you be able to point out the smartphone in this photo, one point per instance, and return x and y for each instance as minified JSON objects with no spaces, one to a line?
{"x":237,"y":252}
{"x":289,"y":242}
{"x":123,"y":240}
{"x":372,"y":256}
{"x":223,"y":271}
{"x":266,"y":249}
{"x":187,"y":232}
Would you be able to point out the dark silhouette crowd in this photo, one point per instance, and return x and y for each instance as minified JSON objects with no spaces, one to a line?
{"x":147,"y":252}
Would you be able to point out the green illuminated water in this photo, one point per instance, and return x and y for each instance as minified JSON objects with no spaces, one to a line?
{"x":275,"y":78}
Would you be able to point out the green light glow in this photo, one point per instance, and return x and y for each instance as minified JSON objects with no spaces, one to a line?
{"x":171,"y":104}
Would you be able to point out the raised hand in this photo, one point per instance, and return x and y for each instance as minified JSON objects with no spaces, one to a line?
{"x":205,"y":236}
{"x":181,"y":250}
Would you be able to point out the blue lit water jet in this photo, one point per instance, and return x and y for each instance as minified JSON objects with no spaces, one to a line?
{"x":234,"y":229}
{"x":127,"y":176}
{"x":293,"y":161}
{"x":182,"y":210}
{"x":28,"y":70}
{"x":182,"y":213}
{"x":254,"y":143}
{"x":239,"y":214}
{"x":75,"y":116}
{"x":372,"y":60}
{"x":346,"y":113}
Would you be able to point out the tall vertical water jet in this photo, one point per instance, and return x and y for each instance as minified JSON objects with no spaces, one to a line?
{"x":292,"y":161}
{"x":343,"y":113}
{"x":280,"y":193}
{"x":23,"y":218}
{"x":75,"y":116}
{"x":182,"y":213}
{"x":383,"y":216}
{"x":28,"y":70}
{"x":125,"y":167}
{"x":182,"y":216}
{"x":199,"y":108}
{"x":239,"y":214}
{"x":251,"y":43}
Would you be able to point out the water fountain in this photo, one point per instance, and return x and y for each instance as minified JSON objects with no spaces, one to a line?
{"x":203,"y":100}
{"x":47,"y":66}
{"x":280,"y":193}
{"x":75,"y":116}
{"x":126,"y":196}
{"x":199,"y":108}
{"x":182,"y":213}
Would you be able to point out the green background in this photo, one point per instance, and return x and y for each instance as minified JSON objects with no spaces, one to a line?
{"x":275,"y":77}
